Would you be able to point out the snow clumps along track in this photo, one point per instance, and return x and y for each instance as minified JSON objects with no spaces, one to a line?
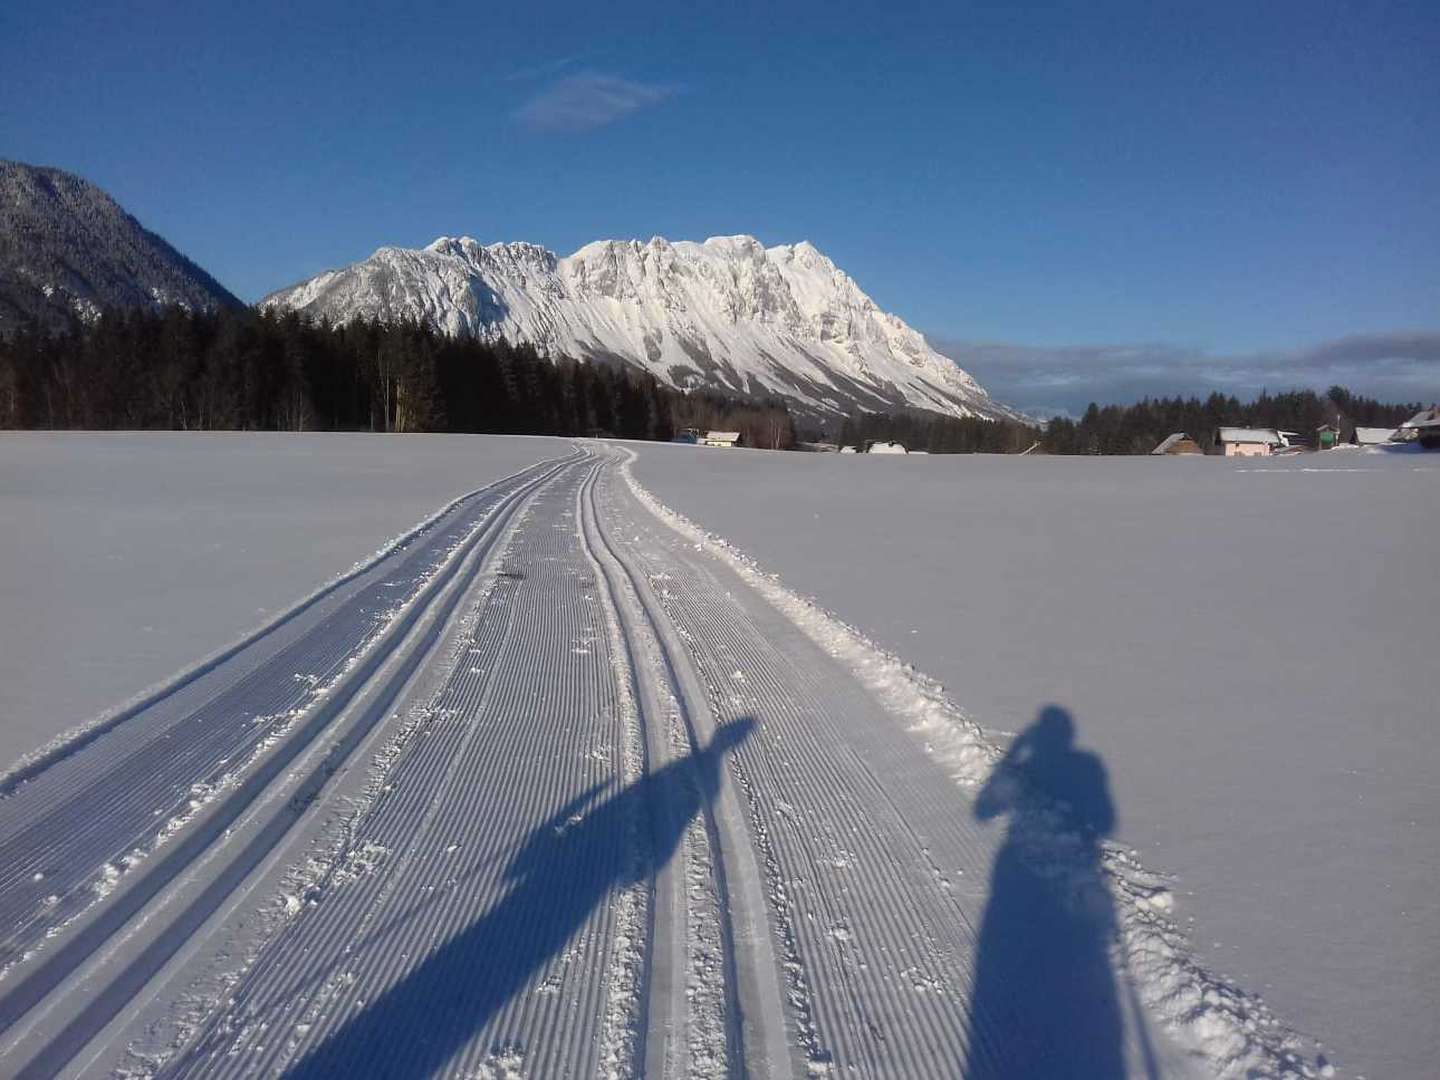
{"x":1206,"y":1016}
{"x":559,"y":792}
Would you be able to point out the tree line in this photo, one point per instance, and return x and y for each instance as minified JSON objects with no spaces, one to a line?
{"x":248,"y":370}
{"x":271,"y":371}
{"x":1131,"y":429}
{"x":938,"y":434}
{"x":1139,"y":428}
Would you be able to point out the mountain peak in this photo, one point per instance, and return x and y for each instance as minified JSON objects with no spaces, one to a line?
{"x":725,"y":314}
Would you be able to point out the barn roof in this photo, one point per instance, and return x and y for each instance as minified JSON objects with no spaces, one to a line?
{"x":1248,"y":435}
{"x":1169,"y":441}
{"x":1370,"y":436}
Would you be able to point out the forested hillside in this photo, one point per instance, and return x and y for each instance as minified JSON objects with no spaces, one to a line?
{"x":68,"y":251}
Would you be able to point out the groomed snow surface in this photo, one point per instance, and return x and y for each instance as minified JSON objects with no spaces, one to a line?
{"x":127,"y":557}
{"x":1248,"y":645}
{"x":558,"y":783}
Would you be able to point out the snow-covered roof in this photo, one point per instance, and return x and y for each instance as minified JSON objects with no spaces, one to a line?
{"x":1424,"y":418}
{"x":1169,"y":442}
{"x":723,"y":436}
{"x":1370,"y":436}
{"x":1266,"y":436}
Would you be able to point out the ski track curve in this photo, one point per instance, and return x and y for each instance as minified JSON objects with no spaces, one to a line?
{"x":549,"y":790}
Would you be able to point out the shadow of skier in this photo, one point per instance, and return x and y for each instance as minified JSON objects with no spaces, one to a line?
{"x":565,"y":869}
{"x":1044,"y":1000}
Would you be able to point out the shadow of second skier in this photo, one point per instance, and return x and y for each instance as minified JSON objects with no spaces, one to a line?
{"x":564,"y":870}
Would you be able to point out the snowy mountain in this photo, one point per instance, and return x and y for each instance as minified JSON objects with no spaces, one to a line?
{"x":727,"y":314}
{"x":68,"y":251}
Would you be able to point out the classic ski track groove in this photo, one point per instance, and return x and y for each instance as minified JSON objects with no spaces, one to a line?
{"x":349,"y":644}
{"x":508,"y":639}
{"x":518,"y":763}
{"x":756,"y":1029}
{"x":866,"y":875}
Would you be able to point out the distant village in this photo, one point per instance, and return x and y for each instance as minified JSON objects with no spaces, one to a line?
{"x":1422,"y":429}
{"x":696,"y":437}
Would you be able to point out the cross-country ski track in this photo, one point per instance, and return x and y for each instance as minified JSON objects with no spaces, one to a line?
{"x":560,"y":786}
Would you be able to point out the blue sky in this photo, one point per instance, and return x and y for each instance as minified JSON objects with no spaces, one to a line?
{"x":1206,"y":181}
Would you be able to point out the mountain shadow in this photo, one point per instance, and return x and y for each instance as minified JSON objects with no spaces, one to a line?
{"x":1044,"y":1001}
{"x":564,"y":870}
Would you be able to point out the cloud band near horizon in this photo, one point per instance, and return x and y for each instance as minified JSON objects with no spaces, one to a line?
{"x":1399,"y":367}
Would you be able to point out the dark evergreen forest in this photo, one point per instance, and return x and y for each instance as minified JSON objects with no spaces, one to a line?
{"x":246,"y":370}
{"x":1136,"y":429}
{"x":939,"y":434}
{"x":262,"y":371}
{"x":1133,"y":429}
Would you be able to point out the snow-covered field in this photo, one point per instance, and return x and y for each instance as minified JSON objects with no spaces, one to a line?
{"x":126,"y":557}
{"x":1248,"y":646}
{"x":561,"y":785}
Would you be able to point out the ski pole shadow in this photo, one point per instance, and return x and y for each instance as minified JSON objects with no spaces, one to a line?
{"x":566,"y":868}
{"x":1045,"y":1002}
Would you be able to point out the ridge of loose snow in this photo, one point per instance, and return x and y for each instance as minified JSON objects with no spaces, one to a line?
{"x":1209,"y":1016}
{"x":726,"y":314}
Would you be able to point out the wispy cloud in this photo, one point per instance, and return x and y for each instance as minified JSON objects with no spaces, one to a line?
{"x":588,"y":100}
{"x":1396,"y":367}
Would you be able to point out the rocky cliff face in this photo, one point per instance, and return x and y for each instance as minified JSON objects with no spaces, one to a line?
{"x":727,"y":314}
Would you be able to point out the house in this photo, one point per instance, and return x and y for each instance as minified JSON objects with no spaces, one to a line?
{"x":1374,"y":436}
{"x":849,"y":450}
{"x":1423,"y":427}
{"x":721,"y":438}
{"x":1179,"y":443}
{"x":1326,"y":436}
{"x":879,"y":446}
{"x":1247,"y":442}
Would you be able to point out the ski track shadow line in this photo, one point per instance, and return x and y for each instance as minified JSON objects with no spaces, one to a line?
{"x":562,"y":873}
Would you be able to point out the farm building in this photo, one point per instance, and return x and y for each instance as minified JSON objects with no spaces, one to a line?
{"x":1373,"y":436}
{"x":1177,"y":444}
{"x":849,"y":450}
{"x":1247,"y":442}
{"x":881,"y":447}
{"x":721,"y":438}
{"x":1423,"y":427}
